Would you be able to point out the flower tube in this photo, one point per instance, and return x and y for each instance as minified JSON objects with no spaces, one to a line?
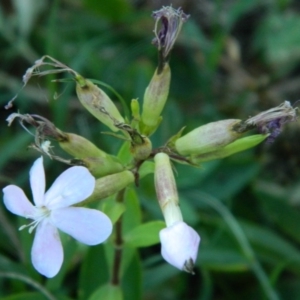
{"x":179,"y":242}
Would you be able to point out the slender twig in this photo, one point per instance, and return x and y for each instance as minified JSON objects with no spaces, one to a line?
{"x":115,"y":280}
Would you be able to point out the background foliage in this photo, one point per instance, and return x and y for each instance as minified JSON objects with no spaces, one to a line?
{"x":233,"y":59}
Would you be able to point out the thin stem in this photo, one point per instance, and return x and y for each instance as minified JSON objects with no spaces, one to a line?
{"x":115,"y":280}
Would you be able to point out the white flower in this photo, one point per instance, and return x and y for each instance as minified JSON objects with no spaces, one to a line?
{"x":52,"y":210}
{"x":179,"y":246}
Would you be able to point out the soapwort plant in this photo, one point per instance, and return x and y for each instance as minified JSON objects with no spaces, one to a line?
{"x":96,"y":176}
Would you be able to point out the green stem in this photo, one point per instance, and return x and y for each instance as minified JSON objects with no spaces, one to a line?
{"x":115,"y":280}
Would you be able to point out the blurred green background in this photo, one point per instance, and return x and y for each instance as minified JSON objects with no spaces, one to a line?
{"x":233,"y":59}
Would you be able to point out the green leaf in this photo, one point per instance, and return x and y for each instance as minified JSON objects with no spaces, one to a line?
{"x":145,"y":235}
{"x":108,"y":292}
{"x":113,"y":10}
{"x":221,"y":259}
{"x":231,"y":176}
{"x":132,"y":279}
{"x":93,"y":266}
{"x":279,"y":37}
{"x":124,"y":153}
{"x":133,"y":215}
{"x":146,"y":169}
{"x":271,"y":247}
{"x":26,"y":296}
{"x":278,"y":210}
{"x":112,"y":209}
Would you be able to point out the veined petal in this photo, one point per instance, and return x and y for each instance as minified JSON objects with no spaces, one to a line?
{"x":88,"y":226}
{"x":37,"y":182}
{"x":16,"y":202}
{"x":72,"y":186}
{"x":47,"y":252}
{"x":179,"y":244}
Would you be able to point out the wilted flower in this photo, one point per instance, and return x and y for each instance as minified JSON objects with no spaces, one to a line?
{"x":171,"y":23}
{"x":271,"y":121}
{"x":53,"y":210}
{"x":179,"y":246}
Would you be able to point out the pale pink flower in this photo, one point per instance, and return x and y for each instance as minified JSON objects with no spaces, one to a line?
{"x":53,"y":210}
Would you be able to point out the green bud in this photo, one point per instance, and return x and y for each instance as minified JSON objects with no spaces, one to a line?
{"x":98,"y":103}
{"x":166,"y":190}
{"x":155,"y":98}
{"x":207,"y":138}
{"x":109,"y":185}
{"x":100,"y":166}
{"x":142,"y":150}
{"x":80,"y":147}
{"x":232,"y":148}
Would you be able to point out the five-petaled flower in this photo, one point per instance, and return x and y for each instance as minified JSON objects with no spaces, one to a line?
{"x":53,"y":210}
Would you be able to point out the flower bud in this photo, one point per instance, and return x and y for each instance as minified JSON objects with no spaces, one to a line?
{"x":166,"y":190}
{"x":100,"y":166}
{"x":232,"y":148}
{"x":179,"y":246}
{"x":155,"y":98}
{"x":109,"y":185}
{"x":97,"y":161}
{"x":98,"y":103}
{"x":79,"y":146}
{"x":207,"y":138}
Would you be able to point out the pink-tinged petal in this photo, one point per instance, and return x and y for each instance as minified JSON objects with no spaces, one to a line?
{"x":88,"y":226}
{"x":47,"y":252}
{"x":37,"y":182}
{"x":179,"y":245}
{"x":72,"y":186}
{"x":16,"y":202}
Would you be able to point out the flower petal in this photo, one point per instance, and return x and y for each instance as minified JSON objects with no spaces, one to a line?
{"x":37,"y":182}
{"x":47,"y":252}
{"x":179,"y":244}
{"x":72,"y":186}
{"x":16,"y":202}
{"x":88,"y":226}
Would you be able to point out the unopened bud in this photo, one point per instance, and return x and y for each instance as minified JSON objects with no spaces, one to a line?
{"x":239,"y":145}
{"x":166,"y":190}
{"x":100,"y":166}
{"x":97,"y":161}
{"x":109,"y":185}
{"x":155,"y":98}
{"x":79,"y":146}
{"x":179,"y":246}
{"x":207,"y":138}
{"x":98,"y":103}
